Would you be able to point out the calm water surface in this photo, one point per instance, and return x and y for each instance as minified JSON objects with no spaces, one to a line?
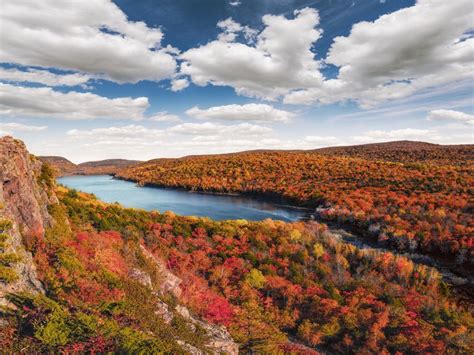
{"x":218,"y":207}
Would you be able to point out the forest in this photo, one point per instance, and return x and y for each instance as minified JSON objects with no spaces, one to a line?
{"x":277,"y":287}
{"x":424,"y":206}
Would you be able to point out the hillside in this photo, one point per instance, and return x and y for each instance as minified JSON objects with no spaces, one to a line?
{"x":61,"y":165}
{"x":64,"y":167}
{"x":79,"y":290}
{"x":105,"y":167}
{"x":418,"y":206}
{"x":406,"y":152}
{"x":396,"y":151}
{"x":25,"y":193}
{"x":121,"y":280}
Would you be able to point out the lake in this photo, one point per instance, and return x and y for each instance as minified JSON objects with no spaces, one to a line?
{"x":218,"y":207}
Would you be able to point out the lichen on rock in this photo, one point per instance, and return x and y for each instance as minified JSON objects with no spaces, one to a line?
{"x":25,"y":203}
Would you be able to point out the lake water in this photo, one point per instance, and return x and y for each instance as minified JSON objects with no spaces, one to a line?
{"x":218,"y":207}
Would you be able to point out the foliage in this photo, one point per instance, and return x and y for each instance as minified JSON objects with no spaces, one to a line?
{"x":255,"y":279}
{"x":8,"y":258}
{"x":46,"y":176}
{"x":262,"y":280}
{"x":421,"y":205}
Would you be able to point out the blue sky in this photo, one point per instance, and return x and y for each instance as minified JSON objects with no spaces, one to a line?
{"x":147,"y":79}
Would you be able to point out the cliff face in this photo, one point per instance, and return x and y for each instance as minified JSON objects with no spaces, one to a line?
{"x":219,"y":339}
{"x":27,"y":189}
{"x":23,"y":210}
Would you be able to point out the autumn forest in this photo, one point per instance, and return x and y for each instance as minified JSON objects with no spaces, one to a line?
{"x":127,"y":280}
{"x":237,"y":177}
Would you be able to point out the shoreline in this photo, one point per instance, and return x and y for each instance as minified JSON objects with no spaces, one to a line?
{"x":457,"y":277}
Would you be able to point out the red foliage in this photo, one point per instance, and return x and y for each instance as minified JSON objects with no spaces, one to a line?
{"x":419,"y":205}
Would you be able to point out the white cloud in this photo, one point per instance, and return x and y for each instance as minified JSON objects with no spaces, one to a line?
{"x":46,"y":102}
{"x":248,"y":112}
{"x":451,"y":115}
{"x":279,"y":61}
{"x":399,"y":133}
{"x":179,"y":84}
{"x":230,"y":30}
{"x":140,"y":142}
{"x":92,"y":37}
{"x":394,"y":135}
{"x":417,"y":48}
{"x":127,"y":132}
{"x":235,"y":3}
{"x":164,"y":117}
{"x":213,"y":129}
{"x":222,"y":144}
{"x":398,"y":54}
{"x":18,"y":127}
{"x":43,"y":77}
{"x":322,"y":140}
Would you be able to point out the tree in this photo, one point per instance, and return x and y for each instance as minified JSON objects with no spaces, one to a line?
{"x":256,"y":279}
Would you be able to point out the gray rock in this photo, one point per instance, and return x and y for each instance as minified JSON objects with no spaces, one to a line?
{"x":25,"y":204}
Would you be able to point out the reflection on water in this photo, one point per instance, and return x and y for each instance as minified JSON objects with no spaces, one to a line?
{"x":218,"y":207}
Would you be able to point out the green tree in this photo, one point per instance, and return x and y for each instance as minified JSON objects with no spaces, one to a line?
{"x":255,"y":278}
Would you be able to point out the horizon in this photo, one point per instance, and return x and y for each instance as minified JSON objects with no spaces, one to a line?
{"x":237,"y":176}
{"x":255,"y":150}
{"x":143,"y":80}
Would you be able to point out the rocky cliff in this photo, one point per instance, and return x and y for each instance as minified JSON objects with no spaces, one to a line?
{"x":220,"y":341}
{"x":25,"y":194}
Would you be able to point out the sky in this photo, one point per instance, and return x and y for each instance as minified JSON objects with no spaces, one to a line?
{"x":144,"y":79}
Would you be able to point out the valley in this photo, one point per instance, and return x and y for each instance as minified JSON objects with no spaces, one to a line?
{"x":237,"y":177}
{"x":414,"y":207}
{"x":264,"y":286}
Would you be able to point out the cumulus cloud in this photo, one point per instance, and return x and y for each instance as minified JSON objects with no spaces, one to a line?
{"x":164,"y":117}
{"x":213,"y":129}
{"x":279,"y":60}
{"x":398,"y":54}
{"x":88,"y":36}
{"x":44,"y":77}
{"x":322,"y":140}
{"x":235,"y":3}
{"x":248,"y":112}
{"x":397,"y":134}
{"x":141,"y":142}
{"x":220,"y":144}
{"x":451,"y":115}
{"x":10,"y":127}
{"x":179,"y":84}
{"x":129,"y":131}
{"x":46,"y":102}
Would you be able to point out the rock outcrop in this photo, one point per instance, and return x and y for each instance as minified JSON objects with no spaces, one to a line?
{"x":25,"y":205}
{"x":220,"y":341}
{"x":169,"y":281}
{"x":27,"y":189}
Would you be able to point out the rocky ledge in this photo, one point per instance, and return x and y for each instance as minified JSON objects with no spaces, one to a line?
{"x":23,"y":214}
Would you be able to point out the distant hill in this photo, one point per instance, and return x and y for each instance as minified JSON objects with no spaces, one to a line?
{"x":109,"y":162}
{"x":60,"y":164}
{"x":107,"y":167}
{"x":404,"y":190}
{"x":396,"y":151}
{"x":406,"y":152}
